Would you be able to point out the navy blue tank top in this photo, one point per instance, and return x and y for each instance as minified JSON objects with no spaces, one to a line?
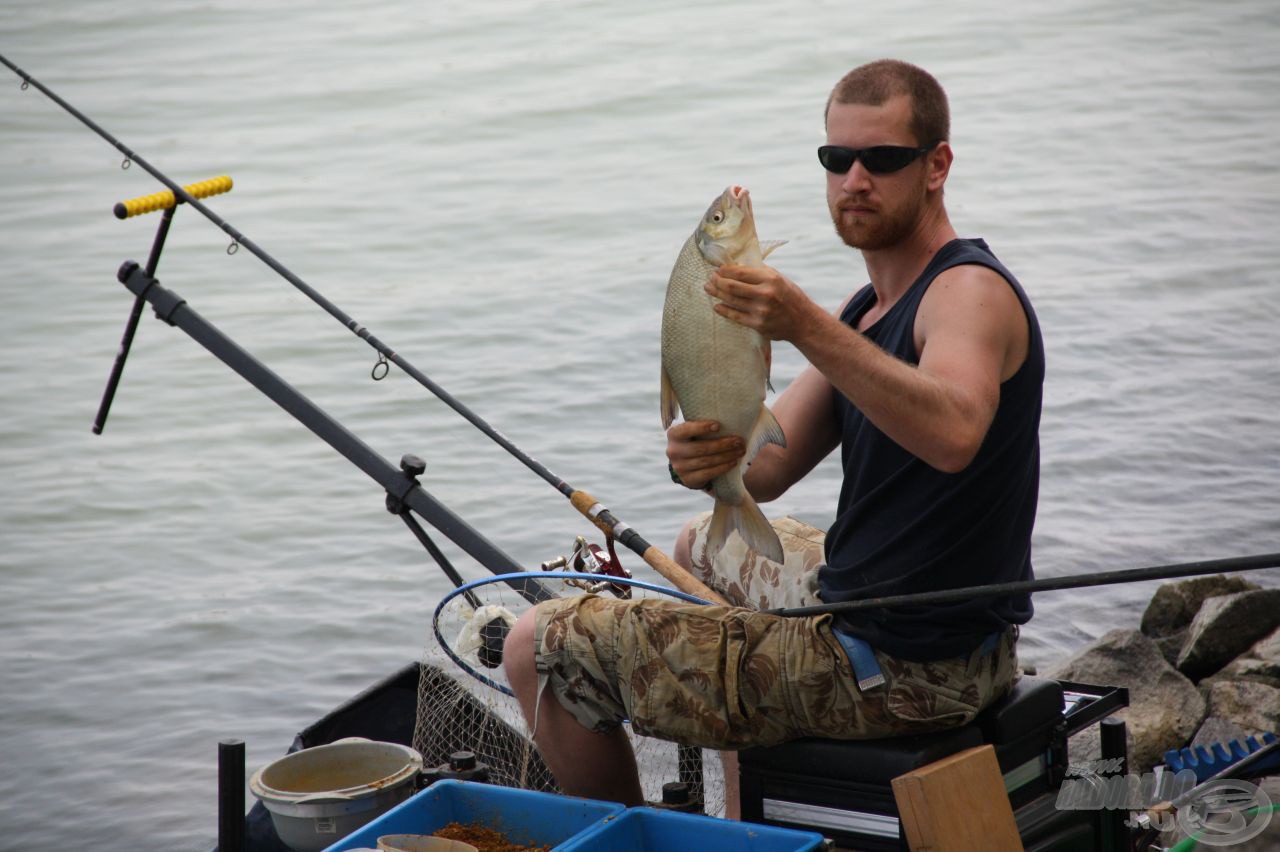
{"x":903,"y":526}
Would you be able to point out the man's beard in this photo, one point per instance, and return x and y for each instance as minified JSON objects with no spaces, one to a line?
{"x":882,"y":230}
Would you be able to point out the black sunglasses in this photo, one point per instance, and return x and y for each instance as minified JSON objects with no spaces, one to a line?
{"x":879,"y":159}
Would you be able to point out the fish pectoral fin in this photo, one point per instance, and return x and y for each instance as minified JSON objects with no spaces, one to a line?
{"x":766,"y":431}
{"x":669,"y":404}
{"x":767,"y":349}
{"x":769,"y":245}
{"x":711,"y":250}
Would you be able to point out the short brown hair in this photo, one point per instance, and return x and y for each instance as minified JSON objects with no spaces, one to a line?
{"x":876,"y":82}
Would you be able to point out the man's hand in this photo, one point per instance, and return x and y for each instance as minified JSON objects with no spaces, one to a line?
{"x":762,"y":298}
{"x":697,"y":456}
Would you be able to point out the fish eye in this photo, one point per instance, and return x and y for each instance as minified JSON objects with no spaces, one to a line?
{"x":717,"y":217}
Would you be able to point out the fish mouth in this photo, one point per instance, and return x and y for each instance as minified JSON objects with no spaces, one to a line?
{"x":726,"y":223}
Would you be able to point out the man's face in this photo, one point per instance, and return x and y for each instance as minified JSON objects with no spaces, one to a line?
{"x":871,"y":211}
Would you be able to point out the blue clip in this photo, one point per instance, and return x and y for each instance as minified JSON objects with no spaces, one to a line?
{"x":863,"y":660}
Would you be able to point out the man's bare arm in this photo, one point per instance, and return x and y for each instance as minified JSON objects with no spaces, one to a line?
{"x":971,"y":333}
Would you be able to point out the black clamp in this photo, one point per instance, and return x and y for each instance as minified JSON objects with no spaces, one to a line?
{"x":139,"y":282}
{"x":413,"y":467}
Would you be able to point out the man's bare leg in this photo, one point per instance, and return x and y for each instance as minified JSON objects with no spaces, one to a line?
{"x":597,"y":766}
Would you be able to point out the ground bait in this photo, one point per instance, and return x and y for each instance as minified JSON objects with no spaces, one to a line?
{"x":485,"y":839}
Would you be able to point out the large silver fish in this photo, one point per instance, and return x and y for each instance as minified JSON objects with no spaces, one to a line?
{"x":715,"y":369}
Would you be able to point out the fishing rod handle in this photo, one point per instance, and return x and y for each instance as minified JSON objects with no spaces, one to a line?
{"x":680,"y":578}
{"x":673,"y":571}
{"x":166,"y":199}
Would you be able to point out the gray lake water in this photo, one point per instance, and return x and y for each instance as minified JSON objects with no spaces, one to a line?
{"x":498,"y":191}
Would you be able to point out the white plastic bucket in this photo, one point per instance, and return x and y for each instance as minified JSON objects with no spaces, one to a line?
{"x":319,"y":795}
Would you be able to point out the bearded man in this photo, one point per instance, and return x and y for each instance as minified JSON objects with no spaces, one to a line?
{"x":929,"y":380}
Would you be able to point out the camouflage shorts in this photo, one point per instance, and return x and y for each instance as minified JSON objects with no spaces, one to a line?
{"x":730,"y":677}
{"x":745,"y":578}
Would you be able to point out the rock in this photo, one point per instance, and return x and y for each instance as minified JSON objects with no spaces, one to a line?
{"x":1217,"y":730}
{"x":1171,"y":646}
{"x":1225,"y":627}
{"x":1261,"y":663}
{"x":1174,"y":604}
{"x":1253,"y":706}
{"x":1164,"y":709}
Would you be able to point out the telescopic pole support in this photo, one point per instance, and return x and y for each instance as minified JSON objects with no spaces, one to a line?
{"x":174,"y":310}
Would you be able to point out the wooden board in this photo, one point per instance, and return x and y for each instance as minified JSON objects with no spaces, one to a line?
{"x":957,"y":804}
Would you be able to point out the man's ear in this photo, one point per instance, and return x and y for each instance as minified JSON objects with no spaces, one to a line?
{"x":938,"y":162}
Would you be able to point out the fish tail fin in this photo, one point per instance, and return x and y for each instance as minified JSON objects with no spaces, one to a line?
{"x":750,"y":523}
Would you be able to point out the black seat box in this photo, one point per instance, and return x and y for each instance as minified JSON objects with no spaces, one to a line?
{"x":842,"y":788}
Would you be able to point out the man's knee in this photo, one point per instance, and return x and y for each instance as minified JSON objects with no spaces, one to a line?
{"x":518,"y":654}
{"x":690,"y":550}
{"x":682,"y":552}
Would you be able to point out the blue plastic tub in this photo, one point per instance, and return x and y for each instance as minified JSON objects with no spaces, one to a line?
{"x":524,"y":816}
{"x":653,"y":830}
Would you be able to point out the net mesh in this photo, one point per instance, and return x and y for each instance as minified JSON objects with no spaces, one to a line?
{"x":458,"y":712}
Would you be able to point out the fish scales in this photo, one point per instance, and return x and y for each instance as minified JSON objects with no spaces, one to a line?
{"x":716,"y":369}
{"x":716,"y":366}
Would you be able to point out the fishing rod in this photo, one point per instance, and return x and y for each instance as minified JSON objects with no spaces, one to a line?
{"x":581,"y":500}
{"x":1259,"y":562}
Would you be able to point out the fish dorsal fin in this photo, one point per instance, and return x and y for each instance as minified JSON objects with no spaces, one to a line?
{"x":767,"y":246}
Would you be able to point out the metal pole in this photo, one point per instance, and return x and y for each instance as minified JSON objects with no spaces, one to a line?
{"x":231,"y":796}
{"x":1114,"y":746}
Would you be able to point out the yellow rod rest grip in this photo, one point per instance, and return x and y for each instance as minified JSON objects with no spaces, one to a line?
{"x":164,"y":200}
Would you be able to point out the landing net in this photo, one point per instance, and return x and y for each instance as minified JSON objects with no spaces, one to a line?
{"x":464,"y":702}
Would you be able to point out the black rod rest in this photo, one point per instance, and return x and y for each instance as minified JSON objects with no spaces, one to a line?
{"x":400,"y":484}
{"x":131,"y":326}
